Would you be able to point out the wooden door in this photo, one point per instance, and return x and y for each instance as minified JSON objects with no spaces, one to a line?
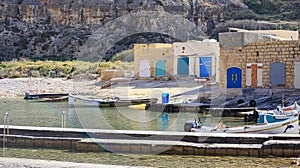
{"x":160,"y":68}
{"x":183,"y":66}
{"x":254,"y":75}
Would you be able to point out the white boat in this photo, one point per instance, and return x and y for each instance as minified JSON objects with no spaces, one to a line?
{"x":288,"y":126}
{"x":294,"y":106}
{"x":278,"y":114}
{"x":80,"y":101}
{"x":74,"y":100}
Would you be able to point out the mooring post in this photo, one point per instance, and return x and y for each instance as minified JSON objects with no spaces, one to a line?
{"x":5,"y":124}
{"x":63,"y":119}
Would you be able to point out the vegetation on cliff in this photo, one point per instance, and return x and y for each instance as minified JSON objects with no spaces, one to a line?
{"x":275,"y":9}
{"x":69,"y":69}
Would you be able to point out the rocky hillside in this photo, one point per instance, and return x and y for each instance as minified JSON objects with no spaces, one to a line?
{"x":56,"y":29}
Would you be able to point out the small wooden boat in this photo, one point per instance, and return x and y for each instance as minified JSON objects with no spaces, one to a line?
{"x":272,"y":117}
{"x":294,"y":106}
{"x":47,"y":97}
{"x":287,"y":126}
{"x":278,"y":114}
{"x":74,"y":100}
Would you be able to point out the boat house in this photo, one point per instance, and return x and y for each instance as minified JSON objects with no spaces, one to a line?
{"x":268,"y":58}
{"x":197,"y":59}
{"x":153,"y":60}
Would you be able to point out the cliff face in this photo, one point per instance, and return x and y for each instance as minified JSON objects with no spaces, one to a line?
{"x":43,"y":29}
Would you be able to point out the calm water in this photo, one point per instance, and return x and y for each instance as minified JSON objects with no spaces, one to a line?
{"x":30,"y":113}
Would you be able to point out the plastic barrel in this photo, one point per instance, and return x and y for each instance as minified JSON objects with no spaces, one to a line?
{"x":165,"y":98}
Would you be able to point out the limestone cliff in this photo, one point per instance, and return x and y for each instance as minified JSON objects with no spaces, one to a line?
{"x":55,"y":29}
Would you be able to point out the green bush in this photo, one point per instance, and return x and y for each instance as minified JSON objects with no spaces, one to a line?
{"x":27,"y":68}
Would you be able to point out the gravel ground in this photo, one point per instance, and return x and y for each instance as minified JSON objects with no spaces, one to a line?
{"x":11,"y":88}
{"x":18,"y":87}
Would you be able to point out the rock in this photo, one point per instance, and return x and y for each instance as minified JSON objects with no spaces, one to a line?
{"x":56,"y":29}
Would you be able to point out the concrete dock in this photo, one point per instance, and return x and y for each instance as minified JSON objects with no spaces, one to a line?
{"x":153,"y":142}
{"x":31,"y":163}
{"x":197,"y":108}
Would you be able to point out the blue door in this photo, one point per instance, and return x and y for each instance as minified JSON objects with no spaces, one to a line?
{"x":205,"y":67}
{"x":160,"y":68}
{"x":183,"y":66}
{"x":234,"y":78}
{"x":277,"y":74}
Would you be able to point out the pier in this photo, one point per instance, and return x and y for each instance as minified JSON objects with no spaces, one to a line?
{"x":153,"y":142}
{"x":197,"y":108}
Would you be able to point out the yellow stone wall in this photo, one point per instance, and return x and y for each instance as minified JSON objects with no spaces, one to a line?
{"x":153,"y":53}
{"x":261,"y":52}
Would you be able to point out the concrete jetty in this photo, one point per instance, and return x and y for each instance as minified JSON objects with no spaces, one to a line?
{"x":31,"y":163}
{"x":153,"y":142}
{"x":197,"y":108}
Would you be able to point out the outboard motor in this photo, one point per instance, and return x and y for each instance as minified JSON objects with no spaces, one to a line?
{"x":189,"y":125}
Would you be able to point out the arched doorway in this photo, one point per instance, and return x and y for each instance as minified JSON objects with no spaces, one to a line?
{"x":160,"y":69}
{"x":144,"y":69}
{"x":234,"y":77}
{"x":277,"y":74}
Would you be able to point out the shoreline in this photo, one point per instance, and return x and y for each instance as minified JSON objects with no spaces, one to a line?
{"x":17,"y":87}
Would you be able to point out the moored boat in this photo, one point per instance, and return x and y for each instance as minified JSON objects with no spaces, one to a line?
{"x":278,"y":114}
{"x":47,"y":97}
{"x":74,"y":100}
{"x":287,"y":126}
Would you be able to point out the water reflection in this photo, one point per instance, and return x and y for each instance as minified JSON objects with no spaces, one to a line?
{"x":30,"y":113}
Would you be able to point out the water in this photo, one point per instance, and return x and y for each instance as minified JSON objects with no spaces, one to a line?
{"x":44,"y":114}
{"x":30,"y":113}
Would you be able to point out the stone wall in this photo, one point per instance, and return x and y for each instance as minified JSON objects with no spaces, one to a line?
{"x":152,"y":53}
{"x":109,"y":74}
{"x":260,"y":52}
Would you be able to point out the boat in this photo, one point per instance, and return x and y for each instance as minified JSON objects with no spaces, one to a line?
{"x":274,"y":115}
{"x":287,"y":126}
{"x":74,"y":100}
{"x":294,"y":106}
{"x":253,"y":103}
{"x":47,"y":97}
{"x":278,"y":114}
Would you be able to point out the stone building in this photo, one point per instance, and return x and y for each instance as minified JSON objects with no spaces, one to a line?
{"x":153,"y":60}
{"x":259,"y":59}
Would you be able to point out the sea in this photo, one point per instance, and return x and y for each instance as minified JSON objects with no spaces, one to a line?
{"x":20,"y":112}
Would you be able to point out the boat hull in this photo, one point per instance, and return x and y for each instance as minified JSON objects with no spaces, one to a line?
{"x":288,"y":126}
{"x":81,"y":101}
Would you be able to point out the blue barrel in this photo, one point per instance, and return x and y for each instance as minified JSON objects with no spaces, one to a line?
{"x":165,"y":98}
